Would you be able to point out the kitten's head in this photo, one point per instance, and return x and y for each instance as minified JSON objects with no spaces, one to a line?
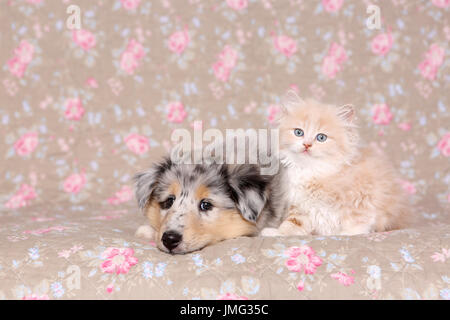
{"x":315,"y":136}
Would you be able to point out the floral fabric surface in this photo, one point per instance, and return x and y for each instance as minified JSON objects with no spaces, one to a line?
{"x":83,"y":110}
{"x":91,"y":253}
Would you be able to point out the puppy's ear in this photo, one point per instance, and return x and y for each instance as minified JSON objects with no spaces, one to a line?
{"x":248,"y":190}
{"x":146,"y":182}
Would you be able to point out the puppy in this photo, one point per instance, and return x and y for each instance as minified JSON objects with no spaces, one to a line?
{"x":190,"y":206}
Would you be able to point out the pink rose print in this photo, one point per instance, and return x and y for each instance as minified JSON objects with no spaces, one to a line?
{"x":428,"y":70}
{"x":330,"y":67}
{"x":136,"y":48}
{"x":237,"y":4}
{"x":22,"y":197}
{"x":74,"y":109}
{"x":220,"y":71}
{"x":382,"y":43}
{"x":84,"y":39}
{"x":35,"y":296}
{"x":231,"y":296}
{"x":123,"y":195}
{"x":441,"y":3}
{"x":92,"y":83}
{"x":435,"y":55}
{"x":24,"y":52}
{"x":331,"y":64}
{"x":16,"y":67}
{"x":136,"y":143}
{"x":302,"y":258}
{"x":332,"y":5}
{"x":110,"y":288}
{"x":343,"y":278}
{"x":300,"y":286}
{"x":23,"y":55}
{"x":178,"y":41}
{"x":118,"y":260}
{"x":74,"y":183}
{"x":444,"y":145}
{"x":176,"y":112}
{"x":433,"y":60}
{"x":45,"y":230}
{"x":381,"y":114}
{"x":285,"y":45}
{"x":129,"y":60}
{"x":295,"y":88}
{"x":226,"y":62}
{"x":441,"y":256}
{"x":16,"y":201}
{"x":338,"y":53}
{"x":405,"y":126}
{"x":228,"y":57}
{"x":26,"y":144}
{"x":130,"y":4}
{"x":408,"y":187}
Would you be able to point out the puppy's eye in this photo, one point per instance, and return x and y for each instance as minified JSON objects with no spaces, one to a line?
{"x":168,"y":203}
{"x":205,"y":205}
{"x":321,"y":137}
{"x":299,"y":132}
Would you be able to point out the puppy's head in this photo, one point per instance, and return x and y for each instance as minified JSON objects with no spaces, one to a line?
{"x":192,"y":206}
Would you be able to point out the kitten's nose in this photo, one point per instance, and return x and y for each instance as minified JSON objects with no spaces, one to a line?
{"x":171,"y":239}
{"x":307,"y":145}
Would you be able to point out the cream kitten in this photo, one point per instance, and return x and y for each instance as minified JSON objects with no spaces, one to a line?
{"x":331,"y":185}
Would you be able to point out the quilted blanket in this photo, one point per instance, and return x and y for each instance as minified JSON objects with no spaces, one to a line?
{"x":91,"y":92}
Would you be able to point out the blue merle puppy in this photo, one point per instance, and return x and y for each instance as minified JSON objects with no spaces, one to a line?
{"x":190,"y":206}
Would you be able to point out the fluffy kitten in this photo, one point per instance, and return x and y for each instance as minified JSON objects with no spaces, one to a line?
{"x":332,"y":186}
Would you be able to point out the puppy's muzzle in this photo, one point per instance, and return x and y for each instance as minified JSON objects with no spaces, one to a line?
{"x":171,"y":239}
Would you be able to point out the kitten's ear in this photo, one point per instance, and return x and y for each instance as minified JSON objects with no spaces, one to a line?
{"x":146,"y":182}
{"x":347,"y":113}
{"x":290,"y":100}
{"x":248,"y":190}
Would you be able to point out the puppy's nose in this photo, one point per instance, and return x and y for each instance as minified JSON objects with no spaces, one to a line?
{"x":171,"y":239}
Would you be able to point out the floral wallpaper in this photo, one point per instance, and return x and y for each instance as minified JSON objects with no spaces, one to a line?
{"x":82,"y":110}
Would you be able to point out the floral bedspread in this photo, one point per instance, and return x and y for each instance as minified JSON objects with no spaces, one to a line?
{"x":83,"y":108}
{"x":83,"y":253}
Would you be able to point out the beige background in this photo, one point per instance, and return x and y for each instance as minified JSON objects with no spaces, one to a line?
{"x":78,"y":165}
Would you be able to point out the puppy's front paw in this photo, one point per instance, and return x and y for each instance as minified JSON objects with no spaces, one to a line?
{"x":145,"y":232}
{"x":270,"y":232}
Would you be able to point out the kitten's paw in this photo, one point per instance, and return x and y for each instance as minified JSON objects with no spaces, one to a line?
{"x":296,"y":225}
{"x":145,"y":232}
{"x":270,"y":232}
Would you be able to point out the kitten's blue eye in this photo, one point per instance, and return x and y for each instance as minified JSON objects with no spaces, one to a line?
{"x":299,"y":132}
{"x":321,"y":137}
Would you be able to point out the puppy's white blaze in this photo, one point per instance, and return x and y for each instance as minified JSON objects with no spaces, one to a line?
{"x":146,"y":232}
